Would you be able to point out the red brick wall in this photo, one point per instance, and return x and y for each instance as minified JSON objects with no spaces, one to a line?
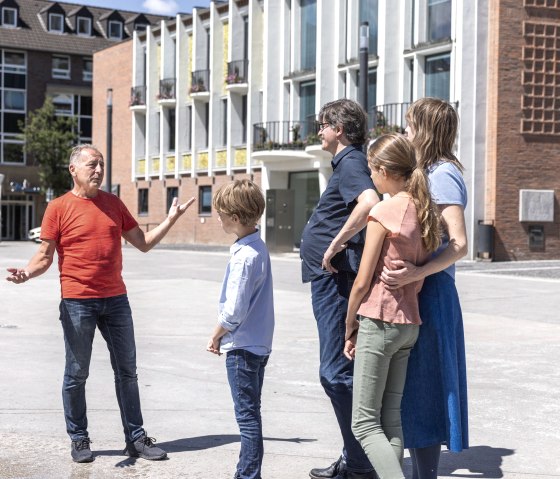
{"x":516,"y":161}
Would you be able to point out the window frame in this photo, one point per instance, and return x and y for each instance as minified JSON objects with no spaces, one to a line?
{"x":61,"y":73}
{"x":51,"y":17}
{"x":143,"y":200}
{"x":203,"y":208}
{"x":87,"y":75}
{"x":15,"y":19}
{"x":111,"y":23}
{"x":89,"y":26}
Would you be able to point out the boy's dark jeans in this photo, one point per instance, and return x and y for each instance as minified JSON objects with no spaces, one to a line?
{"x":245,"y":372}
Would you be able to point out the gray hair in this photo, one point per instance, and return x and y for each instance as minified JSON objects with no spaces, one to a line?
{"x":76,"y":152}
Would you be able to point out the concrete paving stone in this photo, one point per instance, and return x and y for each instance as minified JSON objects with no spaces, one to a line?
{"x":512,"y":328}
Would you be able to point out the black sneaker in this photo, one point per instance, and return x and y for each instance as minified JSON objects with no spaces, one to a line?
{"x":144,"y":447}
{"x":81,"y":451}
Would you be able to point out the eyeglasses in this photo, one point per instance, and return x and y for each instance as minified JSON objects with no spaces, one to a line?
{"x":322,"y":126}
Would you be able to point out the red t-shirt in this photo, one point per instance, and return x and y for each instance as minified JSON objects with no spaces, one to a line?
{"x":88,"y":233}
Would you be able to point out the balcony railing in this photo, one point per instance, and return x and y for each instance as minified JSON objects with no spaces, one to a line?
{"x":200,"y":81}
{"x":387,"y":118}
{"x":285,"y":135}
{"x":237,"y":72}
{"x":167,"y":89}
{"x":137,"y":96}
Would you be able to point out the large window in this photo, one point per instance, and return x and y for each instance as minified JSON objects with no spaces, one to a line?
{"x":9,"y":17}
{"x":79,"y":107}
{"x":306,"y":108}
{"x":61,"y":66}
{"x":56,"y":23}
{"x":143,"y":201}
{"x":437,"y":76}
{"x":205,"y":200}
{"x":439,"y":19}
{"x":308,"y":34}
{"x":368,"y":13}
{"x":13,"y":73}
{"x":171,"y":130}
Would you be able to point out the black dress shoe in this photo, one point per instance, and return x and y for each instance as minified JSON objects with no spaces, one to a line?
{"x":330,"y":472}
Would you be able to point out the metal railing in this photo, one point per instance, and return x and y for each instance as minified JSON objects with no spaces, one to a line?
{"x":285,"y":135}
{"x":137,"y":96}
{"x":200,"y":81}
{"x":167,"y":89}
{"x":237,"y":72}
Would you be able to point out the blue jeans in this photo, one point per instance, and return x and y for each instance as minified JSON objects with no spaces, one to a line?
{"x":113,"y":317}
{"x":329,"y":295}
{"x":245,"y":373}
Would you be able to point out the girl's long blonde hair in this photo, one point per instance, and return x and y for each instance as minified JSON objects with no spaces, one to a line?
{"x":435,"y":123}
{"x":397,"y":155}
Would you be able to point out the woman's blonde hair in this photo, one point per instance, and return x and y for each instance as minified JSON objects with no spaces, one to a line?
{"x":242,"y":198}
{"x":396,"y":154}
{"x":435,"y":123}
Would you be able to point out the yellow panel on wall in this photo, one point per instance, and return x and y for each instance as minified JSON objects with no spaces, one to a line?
{"x":141,"y":166}
{"x":221,"y":159}
{"x":158,"y":59}
{"x":202,"y":162}
{"x":155,"y":165}
{"x":170,"y":163}
{"x":240,"y":158}
{"x":187,"y":161}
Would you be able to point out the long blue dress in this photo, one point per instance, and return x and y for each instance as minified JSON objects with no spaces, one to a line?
{"x":434,"y":404}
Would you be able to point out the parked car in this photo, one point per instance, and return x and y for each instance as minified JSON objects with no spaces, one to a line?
{"x":34,"y":234}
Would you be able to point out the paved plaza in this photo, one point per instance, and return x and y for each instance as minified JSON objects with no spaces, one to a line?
{"x":512,"y":323}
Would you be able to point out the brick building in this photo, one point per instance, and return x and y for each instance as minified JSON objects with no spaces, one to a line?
{"x":46,"y":49}
{"x":232,"y":91}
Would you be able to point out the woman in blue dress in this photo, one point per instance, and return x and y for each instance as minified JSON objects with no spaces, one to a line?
{"x":434,"y":404}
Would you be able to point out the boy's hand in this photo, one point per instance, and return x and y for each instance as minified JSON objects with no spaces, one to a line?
{"x":214,"y":346}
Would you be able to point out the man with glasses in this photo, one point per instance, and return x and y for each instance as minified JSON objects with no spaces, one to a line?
{"x":331,"y":247}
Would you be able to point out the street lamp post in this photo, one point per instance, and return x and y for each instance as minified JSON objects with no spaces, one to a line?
{"x":364,"y":46}
{"x":108,"y":156}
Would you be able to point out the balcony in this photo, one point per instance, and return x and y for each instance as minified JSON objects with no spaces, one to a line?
{"x":167,"y":91}
{"x":137,"y":98}
{"x":237,"y":76}
{"x":387,"y":118}
{"x":285,"y":135}
{"x":200,"y":85}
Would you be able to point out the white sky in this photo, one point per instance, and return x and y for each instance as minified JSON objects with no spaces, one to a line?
{"x":160,"y":7}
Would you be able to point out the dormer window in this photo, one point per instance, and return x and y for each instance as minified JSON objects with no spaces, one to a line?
{"x":56,"y":23}
{"x":83,"y":26}
{"x":9,"y":17}
{"x":115,"y":30}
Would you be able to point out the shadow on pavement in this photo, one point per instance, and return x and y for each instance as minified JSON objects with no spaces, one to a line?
{"x":477,"y":461}
{"x":216,"y":440}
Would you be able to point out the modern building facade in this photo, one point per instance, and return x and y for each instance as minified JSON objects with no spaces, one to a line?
{"x":233,"y":91}
{"x":46,"y":49}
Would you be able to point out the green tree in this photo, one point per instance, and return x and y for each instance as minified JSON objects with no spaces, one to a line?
{"x":49,"y":139}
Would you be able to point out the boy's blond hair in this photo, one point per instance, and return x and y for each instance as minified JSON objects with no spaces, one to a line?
{"x":242,"y":198}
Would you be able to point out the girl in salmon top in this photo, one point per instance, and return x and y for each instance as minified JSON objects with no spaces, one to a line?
{"x":382,"y":325}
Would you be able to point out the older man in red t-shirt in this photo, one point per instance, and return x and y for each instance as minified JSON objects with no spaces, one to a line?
{"x":85,"y":227}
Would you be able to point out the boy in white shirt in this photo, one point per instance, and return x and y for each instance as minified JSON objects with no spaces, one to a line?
{"x":246,"y":316}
